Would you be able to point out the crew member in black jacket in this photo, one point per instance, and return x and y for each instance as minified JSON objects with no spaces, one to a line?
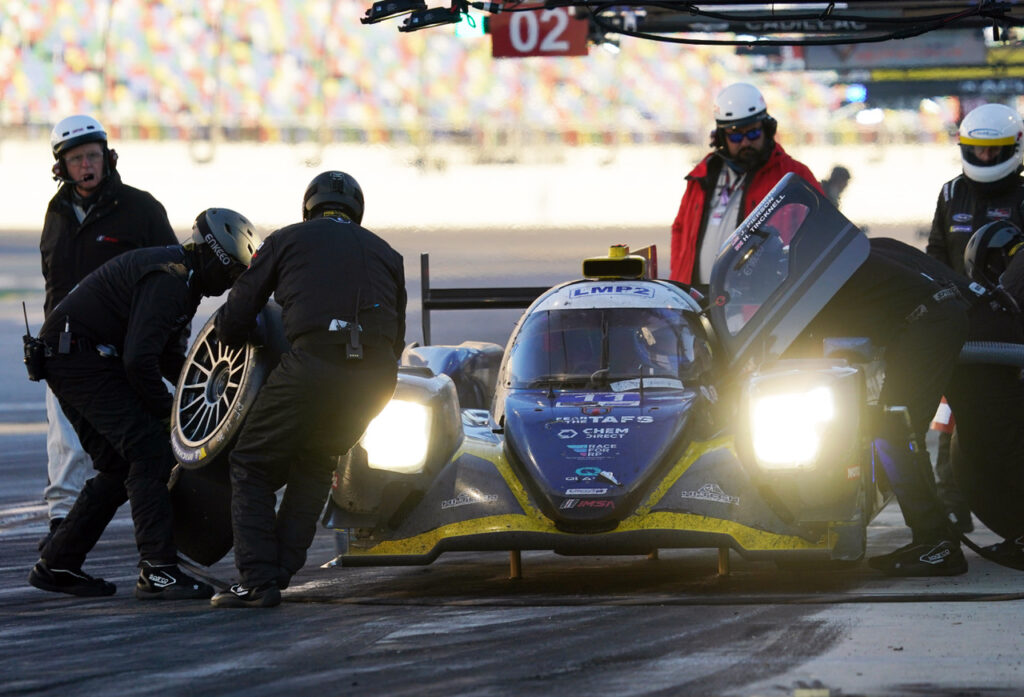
{"x":111,"y":342}
{"x":342,"y":292}
{"x":990,"y":189}
{"x":92,"y":218}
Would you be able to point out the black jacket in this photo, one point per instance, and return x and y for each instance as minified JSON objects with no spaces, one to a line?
{"x":123,"y":218}
{"x":964,"y":206}
{"x":142,"y":304}
{"x":318,"y":271}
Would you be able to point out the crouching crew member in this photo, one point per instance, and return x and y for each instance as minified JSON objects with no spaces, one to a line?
{"x":110,"y":342}
{"x":342,"y":293}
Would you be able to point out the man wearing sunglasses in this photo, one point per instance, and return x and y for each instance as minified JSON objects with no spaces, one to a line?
{"x":729,"y":182}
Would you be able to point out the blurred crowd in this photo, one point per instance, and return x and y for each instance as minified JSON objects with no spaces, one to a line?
{"x":294,"y":71}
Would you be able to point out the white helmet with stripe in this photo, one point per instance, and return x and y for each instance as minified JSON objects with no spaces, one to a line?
{"x":991,"y":142}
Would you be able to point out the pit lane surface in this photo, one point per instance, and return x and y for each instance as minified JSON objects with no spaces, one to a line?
{"x":588,"y":625}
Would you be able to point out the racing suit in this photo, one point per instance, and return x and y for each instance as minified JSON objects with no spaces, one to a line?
{"x":922,"y":324}
{"x":330,"y":276}
{"x":111,"y":343}
{"x":691,"y":220}
{"x":78,"y":238}
{"x":988,"y":398}
{"x":963,"y":206}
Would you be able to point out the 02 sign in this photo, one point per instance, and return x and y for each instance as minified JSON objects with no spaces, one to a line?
{"x":539,"y":32}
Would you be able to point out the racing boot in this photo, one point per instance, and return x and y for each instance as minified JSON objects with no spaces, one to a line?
{"x":70,"y":581}
{"x":1008,"y":552}
{"x":267,"y":595}
{"x":168,"y":582}
{"x":932,"y":558}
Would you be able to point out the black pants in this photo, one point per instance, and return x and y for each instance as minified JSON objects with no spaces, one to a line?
{"x":918,"y":365}
{"x":314,"y":406}
{"x":130,"y":450}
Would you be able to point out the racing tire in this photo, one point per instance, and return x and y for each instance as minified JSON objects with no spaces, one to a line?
{"x":216,"y":388}
{"x":201,"y":505}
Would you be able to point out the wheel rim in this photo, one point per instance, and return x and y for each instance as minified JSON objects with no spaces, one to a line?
{"x":213,"y":377}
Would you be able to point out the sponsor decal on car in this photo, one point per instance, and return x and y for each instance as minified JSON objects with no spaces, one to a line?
{"x":465,"y":498}
{"x":616,"y":289}
{"x":853,"y":472}
{"x":587,"y":503}
{"x":593,"y":450}
{"x":711,"y":492}
{"x":585,"y":492}
{"x":607,"y":433}
{"x":601,"y":399}
{"x":567,"y":434}
{"x":604,"y":419}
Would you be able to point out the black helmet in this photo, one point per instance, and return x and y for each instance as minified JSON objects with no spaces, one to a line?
{"x":333,"y":191}
{"x":989,"y":251}
{"x":224,"y":242}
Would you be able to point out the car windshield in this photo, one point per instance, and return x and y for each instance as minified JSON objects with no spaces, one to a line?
{"x":597,"y":347}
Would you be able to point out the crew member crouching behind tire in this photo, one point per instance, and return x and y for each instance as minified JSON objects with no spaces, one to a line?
{"x":342,"y":293}
{"x":110,"y":343}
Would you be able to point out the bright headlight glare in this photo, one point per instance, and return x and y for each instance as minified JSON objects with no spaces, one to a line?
{"x":787,"y":428}
{"x":397,"y":439}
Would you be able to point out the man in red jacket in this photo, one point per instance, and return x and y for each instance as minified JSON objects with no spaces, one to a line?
{"x":729,"y":182}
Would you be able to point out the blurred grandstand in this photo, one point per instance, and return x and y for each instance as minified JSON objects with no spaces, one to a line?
{"x":307,"y":71}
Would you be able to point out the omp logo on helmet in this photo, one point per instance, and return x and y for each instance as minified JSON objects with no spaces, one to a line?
{"x":984,"y":133}
{"x":217,"y":249}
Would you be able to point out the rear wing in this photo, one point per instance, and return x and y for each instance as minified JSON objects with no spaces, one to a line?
{"x":494,"y":298}
{"x":469,"y":298}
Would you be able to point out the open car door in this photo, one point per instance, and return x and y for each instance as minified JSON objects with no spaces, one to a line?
{"x":778,"y":270}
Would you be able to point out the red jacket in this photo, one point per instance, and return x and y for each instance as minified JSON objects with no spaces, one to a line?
{"x":688,"y":227}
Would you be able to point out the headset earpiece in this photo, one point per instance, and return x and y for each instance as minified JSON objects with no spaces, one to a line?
{"x":112,"y":159}
{"x":717,"y":139}
{"x":770,"y":126}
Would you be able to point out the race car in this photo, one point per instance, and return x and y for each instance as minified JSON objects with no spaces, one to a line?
{"x":626,"y":414}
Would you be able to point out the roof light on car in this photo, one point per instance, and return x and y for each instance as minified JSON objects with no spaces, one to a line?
{"x":618,"y":264}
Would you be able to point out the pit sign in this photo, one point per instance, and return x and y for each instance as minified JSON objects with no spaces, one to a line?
{"x":539,"y":32}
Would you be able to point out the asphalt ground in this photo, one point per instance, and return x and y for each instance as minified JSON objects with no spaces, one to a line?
{"x":461,"y":626}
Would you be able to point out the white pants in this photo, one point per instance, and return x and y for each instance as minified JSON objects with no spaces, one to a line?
{"x":68,"y":465}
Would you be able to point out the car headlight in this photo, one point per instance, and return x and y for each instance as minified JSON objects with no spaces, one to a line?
{"x":787,"y":427}
{"x":398,"y":438}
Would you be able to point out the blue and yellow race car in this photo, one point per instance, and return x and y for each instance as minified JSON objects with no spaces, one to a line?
{"x":626,"y":414}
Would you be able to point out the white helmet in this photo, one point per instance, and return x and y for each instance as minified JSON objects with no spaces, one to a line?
{"x":738,"y":105}
{"x":991,"y":125}
{"x":74,"y":131}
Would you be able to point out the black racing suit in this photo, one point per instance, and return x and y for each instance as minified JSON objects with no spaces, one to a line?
{"x":988,"y":399}
{"x":922,"y":324}
{"x":124,"y":328}
{"x":327,"y":274}
{"x":120,"y":219}
{"x":963,"y":206}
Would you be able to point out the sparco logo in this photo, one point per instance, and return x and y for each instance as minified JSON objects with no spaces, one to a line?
{"x":217,"y":249}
